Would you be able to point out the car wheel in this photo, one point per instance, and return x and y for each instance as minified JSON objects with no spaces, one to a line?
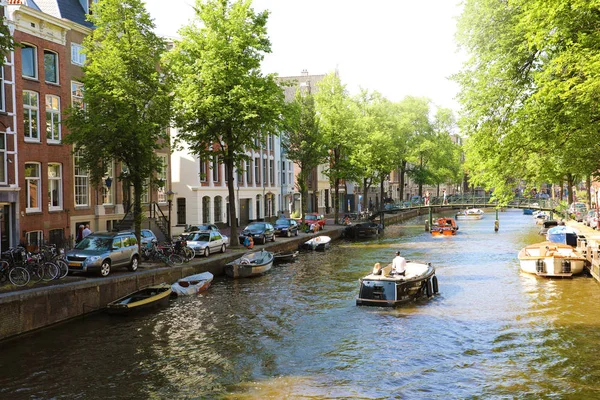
{"x":289,"y":233}
{"x":105,"y":268}
{"x":263,"y":240}
{"x":206,"y":252}
{"x":296,"y":232}
{"x":134,"y":264}
{"x":223,"y":248}
{"x":272,"y":240}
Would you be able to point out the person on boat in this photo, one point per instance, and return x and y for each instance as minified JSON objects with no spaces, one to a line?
{"x":248,"y":242}
{"x":399,"y":265}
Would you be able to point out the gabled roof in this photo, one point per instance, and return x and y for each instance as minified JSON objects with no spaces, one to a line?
{"x":67,"y":9}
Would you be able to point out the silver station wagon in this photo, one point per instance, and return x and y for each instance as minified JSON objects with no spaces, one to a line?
{"x":206,"y":242}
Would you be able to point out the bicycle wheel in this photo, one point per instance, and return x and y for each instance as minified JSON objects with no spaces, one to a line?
{"x":36,"y":272}
{"x":4,"y":270}
{"x":63,"y":267}
{"x":18,"y":276}
{"x":188,"y":254}
{"x":51,"y":271}
{"x":176,"y":259}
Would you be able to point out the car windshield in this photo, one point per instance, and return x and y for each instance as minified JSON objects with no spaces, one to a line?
{"x":256,"y":226}
{"x":282,"y":222}
{"x":199,"y":237}
{"x":95,"y":243}
{"x":311,"y":217}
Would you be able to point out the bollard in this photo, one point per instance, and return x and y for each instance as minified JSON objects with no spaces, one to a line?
{"x":426,"y":226}
{"x":496,"y":225}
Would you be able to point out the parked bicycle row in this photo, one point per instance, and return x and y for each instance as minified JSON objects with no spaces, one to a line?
{"x":21,"y":267}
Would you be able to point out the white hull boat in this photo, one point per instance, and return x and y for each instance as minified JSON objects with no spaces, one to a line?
{"x":471,"y":213}
{"x":551,"y":260}
{"x":317,"y":243}
{"x":192,"y":284}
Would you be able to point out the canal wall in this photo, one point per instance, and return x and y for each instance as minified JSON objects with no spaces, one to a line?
{"x":24,"y":311}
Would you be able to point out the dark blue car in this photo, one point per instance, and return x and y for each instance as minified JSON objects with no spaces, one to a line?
{"x":259,"y":231}
{"x":286,"y":227}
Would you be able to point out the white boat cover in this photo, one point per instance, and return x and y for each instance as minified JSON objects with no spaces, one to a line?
{"x":191,"y":284}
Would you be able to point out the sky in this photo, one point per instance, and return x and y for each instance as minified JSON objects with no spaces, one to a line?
{"x":396,"y":47}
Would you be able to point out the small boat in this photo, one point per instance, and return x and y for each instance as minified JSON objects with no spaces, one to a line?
{"x":562,"y":234}
{"x":146,"y":298}
{"x":362,"y":230}
{"x":527,"y":211}
{"x":280,"y":258}
{"x":541,"y":216}
{"x":550,"y":223}
{"x":381,"y":288}
{"x":250,"y":264}
{"x":444,"y":227}
{"x":551,"y":260}
{"x":192,"y":284}
{"x":317,"y":243}
{"x":471,"y":213}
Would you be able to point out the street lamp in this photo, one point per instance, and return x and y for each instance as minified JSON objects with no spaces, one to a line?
{"x":170,"y":194}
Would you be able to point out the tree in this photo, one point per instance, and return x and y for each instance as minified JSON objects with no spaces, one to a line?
{"x":336,"y":119}
{"x":303,"y":141}
{"x":7,"y":43}
{"x":126,"y":100}
{"x":222,"y":101}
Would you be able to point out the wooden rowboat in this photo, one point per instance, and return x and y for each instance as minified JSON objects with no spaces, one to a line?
{"x":250,"y":264}
{"x":143,"y":299}
{"x":285,"y":257}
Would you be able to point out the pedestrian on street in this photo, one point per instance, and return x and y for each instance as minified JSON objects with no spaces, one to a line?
{"x":86,"y":231}
{"x":445,"y":198}
{"x":79,"y":236}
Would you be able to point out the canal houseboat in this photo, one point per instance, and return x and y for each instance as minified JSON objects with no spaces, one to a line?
{"x":143,"y":299}
{"x":192,"y":284}
{"x":471,"y":213}
{"x":384,"y":289}
{"x":551,"y":259}
{"x":444,"y":227}
{"x":317,"y":243}
{"x":250,"y":264}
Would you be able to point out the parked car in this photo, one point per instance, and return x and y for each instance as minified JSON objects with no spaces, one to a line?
{"x":578,"y":211}
{"x":201,"y":227}
{"x":286,"y":227}
{"x":260,"y":232}
{"x":146,"y":237}
{"x":588,"y":216}
{"x":206,"y":242}
{"x":312,"y":218}
{"x":102,"y":251}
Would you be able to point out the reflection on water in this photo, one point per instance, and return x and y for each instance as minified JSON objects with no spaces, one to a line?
{"x":296,"y":332}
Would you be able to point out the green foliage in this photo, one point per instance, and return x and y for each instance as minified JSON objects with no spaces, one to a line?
{"x":127,"y":102}
{"x":222,"y":101}
{"x":7,"y":42}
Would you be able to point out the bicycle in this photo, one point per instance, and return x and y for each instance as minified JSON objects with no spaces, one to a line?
{"x":18,"y":276}
{"x":162,"y":253}
{"x":181,"y":248}
{"x":50,"y":253}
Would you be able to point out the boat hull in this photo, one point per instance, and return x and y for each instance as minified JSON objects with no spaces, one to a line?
{"x":141,"y":300}
{"x":192,"y":285}
{"x":250,"y":265}
{"x":384,"y":290}
{"x":283,"y":258}
{"x":551,"y":260}
{"x":319,"y":243}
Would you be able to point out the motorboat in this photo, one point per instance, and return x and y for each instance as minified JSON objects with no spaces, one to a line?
{"x":146,"y":298}
{"x":250,"y":264}
{"x":444,"y":227}
{"x":546,"y":225}
{"x":384,"y":289}
{"x":471,"y":213}
{"x":317,"y":243}
{"x":362,"y":230}
{"x":541,"y":216}
{"x":551,"y":260}
{"x":562,"y":234}
{"x":527,"y":211}
{"x":192,"y":284}
{"x":280,"y":258}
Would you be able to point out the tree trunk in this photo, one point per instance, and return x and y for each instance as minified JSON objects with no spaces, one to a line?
{"x":366,"y":186}
{"x":137,"y":209}
{"x":402,"y":172}
{"x":588,"y":185}
{"x":302,"y":178}
{"x":381,"y":205}
{"x":233,"y":235}
{"x":570,"y":188}
{"x":336,"y":200}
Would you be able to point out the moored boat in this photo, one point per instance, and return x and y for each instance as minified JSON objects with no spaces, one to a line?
{"x":279,"y":258}
{"x":550,"y":223}
{"x":562,"y":234}
{"x":527,"y":211}
{"x":192,"y":284}
{"x":444,"y":227}
{"x":551,"y":260}
{"x":250,"y":264}
{"x":381,"y":288}
{"x":146,"y":298}
{"x":317,"y":243}
{"x":471,"y":213}
{"x":362,"y":230}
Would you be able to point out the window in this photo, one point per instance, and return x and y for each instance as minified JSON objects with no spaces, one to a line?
{"x":56,"y":237}
{"x":29,"y":61}
{"x":145,"y":193}
{"x":81,"y":181}
{"x":271,"y":142}
{"x":215,"y":169}
{"x":77,"y":55}
{"x":3,"y":158}
{"x":162,"y":176}
{"x":283,"y":173}
{"x":218,"y":209}
{"x":181,"y":211}
{"x":50,"y":66}
{"x":2,"y":99}
{"x":248,"y":172}
{"x":35,"y":239}
{"x":54,"y":187}
{"x":272,"y":171}
{"x":77,"y":94}
{"x":240,"y":177}
{"x":202,"y":170}
{"x":117,"y":243}
{"x":30,"y":116}
{"x":257,"y":170}
{"x":53,"y":119}
{"x":264,"y":172}
{"x":33,"y":182}
{"x":107,"y":192}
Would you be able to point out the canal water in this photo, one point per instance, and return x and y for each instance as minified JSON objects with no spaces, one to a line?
{"x":296,"y":333}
